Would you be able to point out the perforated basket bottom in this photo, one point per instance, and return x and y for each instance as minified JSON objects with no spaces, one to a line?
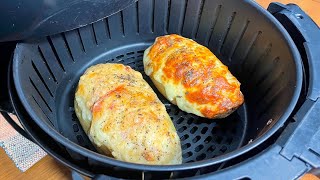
{"x":200,"y":138}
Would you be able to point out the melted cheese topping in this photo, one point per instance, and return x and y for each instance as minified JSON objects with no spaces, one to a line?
{"x":124,"y":118}
{"x":192,"y":77}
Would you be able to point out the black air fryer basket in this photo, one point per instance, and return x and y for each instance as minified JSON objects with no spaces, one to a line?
{"x":274,"y":56}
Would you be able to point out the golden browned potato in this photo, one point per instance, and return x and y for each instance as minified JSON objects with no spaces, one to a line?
{"x":124,"y":118}
{"x":192,"y":77}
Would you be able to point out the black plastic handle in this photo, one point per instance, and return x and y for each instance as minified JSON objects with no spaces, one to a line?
{"x":306,"y":34}
{"x":264,"y":166}
{"x":303,"y":137}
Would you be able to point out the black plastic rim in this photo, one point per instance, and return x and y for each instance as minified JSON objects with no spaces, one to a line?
{"x":31,"y":134}
{"x":104,"y":159}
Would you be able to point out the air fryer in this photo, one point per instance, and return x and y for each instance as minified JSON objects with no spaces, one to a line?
{"x":272,"y":55}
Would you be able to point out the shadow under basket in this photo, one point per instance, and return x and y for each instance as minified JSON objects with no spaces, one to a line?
{"x":241,"y":34}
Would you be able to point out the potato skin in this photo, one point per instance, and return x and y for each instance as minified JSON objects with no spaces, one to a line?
{"x":192,"y":77}
{"x":124,"y":118}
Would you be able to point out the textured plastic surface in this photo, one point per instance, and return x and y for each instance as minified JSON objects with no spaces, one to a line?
{"x":306,"y":34}
{"x":242,"y":34}
{"x":37,"y":18}
{"x":304,"y":142}
{"x":267,"y":165}
{"x":304,"y":139}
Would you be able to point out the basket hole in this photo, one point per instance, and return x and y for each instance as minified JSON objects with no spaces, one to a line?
{"x":204,"y":130}
{"x":223,"y":149}
{"x":139,"y":64}
{"x":179,"y":121}
{"x":75,"y":128}
{"x":199,"y":148}
{"x":119,"y":57}
{"x":74,"y":117}
{"x":182,"y":129}
{"x":196,"y":139}
{"x":185,"y":146}
{"x":211,"y":148}
{"x":190,"y":121}
{"x":140,"y":68}
{"x":139,"y":57}
{"x":141,"y":51}
{"x":208,"y":139}
{"x":219,"y":139}
{"x":130,"y":53}
{"x":214,"y":131}
{"x":190,"y":161}
{"x":193,"y":130}
{"x":184,"y":137}
{"x":201,"y":157}
{"x":168,"y":110}
{"x":187,"y":154}
{"x":80,"y":139}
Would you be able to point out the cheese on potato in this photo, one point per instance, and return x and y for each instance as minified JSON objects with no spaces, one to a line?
{"x":192,"y":77}
{"x":124,"y":118}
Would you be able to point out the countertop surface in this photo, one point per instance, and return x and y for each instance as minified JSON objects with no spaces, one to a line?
{"x":48,"y":168}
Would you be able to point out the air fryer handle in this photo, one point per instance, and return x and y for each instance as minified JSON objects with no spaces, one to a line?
{"x":306,"y":35}
{"x":266,"y":165}
{"x":303,"y":137}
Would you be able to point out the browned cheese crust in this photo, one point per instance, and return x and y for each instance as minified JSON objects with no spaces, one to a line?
{"x":124,"y":118}
{"x":192,"y":77}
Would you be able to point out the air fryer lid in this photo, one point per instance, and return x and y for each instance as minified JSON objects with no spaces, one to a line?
{"x":243,"y":35}
{"x":37,"y":18}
